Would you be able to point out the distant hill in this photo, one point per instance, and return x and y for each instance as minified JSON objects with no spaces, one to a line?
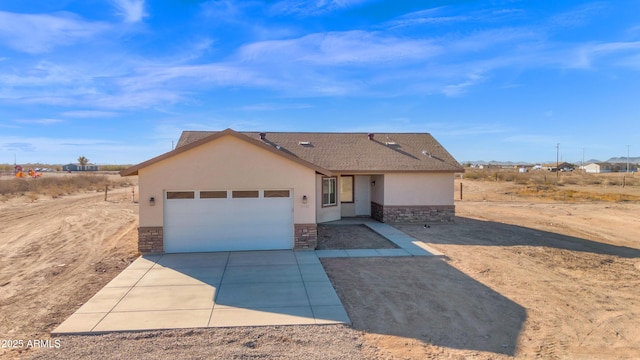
{"x":623,"y":159}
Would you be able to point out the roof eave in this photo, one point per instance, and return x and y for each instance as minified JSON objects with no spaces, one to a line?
{"x":134,"y":170}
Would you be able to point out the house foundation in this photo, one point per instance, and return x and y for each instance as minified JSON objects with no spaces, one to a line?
{"x":411,"y":214}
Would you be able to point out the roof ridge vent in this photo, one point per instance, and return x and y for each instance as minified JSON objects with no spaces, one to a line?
{"x":390,"y":141}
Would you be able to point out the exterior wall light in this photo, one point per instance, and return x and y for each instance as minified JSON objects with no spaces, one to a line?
{"x":373,"y":183}
{"x":304,"y":199}
{"x":152,"y":201}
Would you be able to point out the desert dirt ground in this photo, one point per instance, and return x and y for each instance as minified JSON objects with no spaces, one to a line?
{"x":56,"y":254}
{"x":522,"y":277}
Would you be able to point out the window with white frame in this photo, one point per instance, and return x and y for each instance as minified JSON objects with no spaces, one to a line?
{"x":329,"y":191}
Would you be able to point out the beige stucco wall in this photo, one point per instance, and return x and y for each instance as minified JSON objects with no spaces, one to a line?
{"x":417,"y":189}
{"x":377,"y":190}
{"x":225,"y":164}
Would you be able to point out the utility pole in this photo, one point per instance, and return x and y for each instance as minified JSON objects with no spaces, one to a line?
{"x":557,"y":160}
{"x":628,"y":158}
{"x":582,"y":159}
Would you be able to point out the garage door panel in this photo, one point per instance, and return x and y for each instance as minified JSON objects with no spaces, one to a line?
{"x":228,"y":224}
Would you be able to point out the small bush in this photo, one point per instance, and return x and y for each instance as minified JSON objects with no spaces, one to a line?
{"x":473,"y":175}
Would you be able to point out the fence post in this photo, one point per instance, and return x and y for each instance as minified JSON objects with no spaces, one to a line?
{"x":461,"y":191}
{"x":106,"y":189}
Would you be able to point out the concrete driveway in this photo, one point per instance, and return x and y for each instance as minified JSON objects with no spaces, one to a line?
{"x":222,"y":289}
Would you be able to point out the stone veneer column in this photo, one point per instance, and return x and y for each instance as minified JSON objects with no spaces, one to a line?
{"x":151,"y":239}
{"x":305,"y":236}
{"x":377,"y":211}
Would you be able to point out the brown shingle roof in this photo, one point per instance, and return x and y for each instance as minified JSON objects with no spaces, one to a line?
{"x":354,"y":152}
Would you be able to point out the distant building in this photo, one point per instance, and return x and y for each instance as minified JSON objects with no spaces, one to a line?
{"x":605,"y":167}
{"x":622,"y":167}
{"x":563,"y":166}
{"x":601,"y":167}
{"x":78,"y":167}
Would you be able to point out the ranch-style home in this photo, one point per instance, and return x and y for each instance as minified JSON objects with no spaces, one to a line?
{"x":229,"y":190}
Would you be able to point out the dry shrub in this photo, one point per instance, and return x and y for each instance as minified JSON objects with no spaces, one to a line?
{"x":555,"y":193}
{"x":569,"y":180}
{"x":56,"y":186}
{"x":474,"y":175}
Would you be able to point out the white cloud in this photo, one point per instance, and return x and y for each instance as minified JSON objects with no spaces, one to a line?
{"x":190,"y":76}
{"x":89,"y":114}
{"x":578,"y":16}
{"x":39,"y":33}
{"x":339,"y":48}
{"x":458,"y":89}
{"x":274,"y":107}
{"x":440,"y":129}
{"x":131,"y":10}
{"x":426,"y":16}
{"x":446,"y":15}
{"x":39,"y":121}
{"x":585,"y":55}
{"x":41,"y":74}
{"x":313,"y":7}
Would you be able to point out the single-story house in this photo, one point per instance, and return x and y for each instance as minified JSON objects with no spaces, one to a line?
{"x":606,"y":167}
{"x":78,"y":167}
{"x":563,"y":166}
{"x":602,"y":167}
{"x":228,"y":190}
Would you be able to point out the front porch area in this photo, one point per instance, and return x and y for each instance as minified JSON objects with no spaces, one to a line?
{"x":389,"y":198}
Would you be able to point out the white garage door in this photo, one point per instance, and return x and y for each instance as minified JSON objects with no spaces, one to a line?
{"x":228,"y":220}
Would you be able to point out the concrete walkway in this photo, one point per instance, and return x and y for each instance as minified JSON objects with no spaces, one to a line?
{"x":223,"y":289}
{"x":408,"y":246}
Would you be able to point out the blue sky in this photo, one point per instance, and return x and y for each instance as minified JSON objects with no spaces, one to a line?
{"x":117,"y":81}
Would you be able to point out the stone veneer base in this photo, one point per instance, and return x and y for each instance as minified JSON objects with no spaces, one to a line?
{"x":150,"y":239}
{"x":411,"y":214}
{"x":305,"y":236}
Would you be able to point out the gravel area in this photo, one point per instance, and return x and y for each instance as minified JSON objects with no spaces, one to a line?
{"x":282,"y":342}
{"x":341,"y":237}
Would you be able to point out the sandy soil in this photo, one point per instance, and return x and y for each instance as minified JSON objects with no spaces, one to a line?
{"x":521,"y":277}
{"x":336,"y":342}
{"x":56,"y":254}
{"x":350,"y":237}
